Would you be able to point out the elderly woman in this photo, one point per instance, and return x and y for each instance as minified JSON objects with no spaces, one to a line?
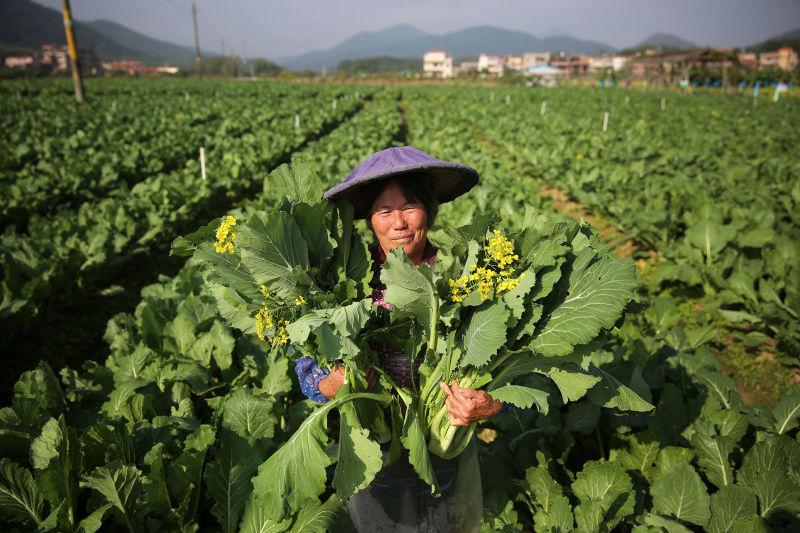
{"x":398,"y":191}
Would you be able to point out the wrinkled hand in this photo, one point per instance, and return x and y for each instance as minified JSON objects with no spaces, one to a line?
{"x":329,"y":385}
{"x":466,"y":406}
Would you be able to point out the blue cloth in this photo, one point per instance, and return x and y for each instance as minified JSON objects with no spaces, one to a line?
{"x":309,"y":375}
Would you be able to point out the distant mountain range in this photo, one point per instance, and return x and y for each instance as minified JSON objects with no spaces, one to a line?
{"x":666,"y":40}
{"x":408,"y":41}
{"x":790,"y":38}
{"x":26,"y":25}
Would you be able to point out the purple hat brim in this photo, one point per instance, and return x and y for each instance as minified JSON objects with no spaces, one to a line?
{"x":450,"y":179}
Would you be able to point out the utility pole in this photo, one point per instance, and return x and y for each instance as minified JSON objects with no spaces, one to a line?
{"x":73,"y":52}
{"x":196,"y":40}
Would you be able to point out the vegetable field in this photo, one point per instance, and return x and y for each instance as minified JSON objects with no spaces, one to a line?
{"x":650,"y":321}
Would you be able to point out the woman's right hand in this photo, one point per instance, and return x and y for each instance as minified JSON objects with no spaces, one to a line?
{"x":329,"y":385}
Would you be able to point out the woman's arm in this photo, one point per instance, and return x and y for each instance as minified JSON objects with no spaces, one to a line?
{"x":329,"y":384}
{"x":466,"y":406}
{"x":311,"y":377}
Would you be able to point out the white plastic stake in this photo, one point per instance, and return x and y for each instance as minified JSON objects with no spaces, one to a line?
{"x":508,"y":99}
{"x":333,"y":104}
{"x":358,"y":95}
{"x":544,"y":107}
{"x":663,"y":103}
{"x":627,"y":99}
{"x":202,"y":162}
{"x":605,"y":121}
{"x":113,"y":106}
{"x":297,"y":120}
{"x":185,"y":96}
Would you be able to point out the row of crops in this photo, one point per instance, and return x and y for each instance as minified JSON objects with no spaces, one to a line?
{"x":172,"y":429}
{"x":709,"y":186}
{"x":660,"y":353}
{"x":69,"y":242}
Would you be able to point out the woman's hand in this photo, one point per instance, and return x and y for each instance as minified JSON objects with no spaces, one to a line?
{"x":466,"y":406}
{"x":329,"y":385}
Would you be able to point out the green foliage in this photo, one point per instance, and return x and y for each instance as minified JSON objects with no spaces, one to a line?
{"x":379,"y":65}
{"x":73,"y":225}
{"x":194,"y":423}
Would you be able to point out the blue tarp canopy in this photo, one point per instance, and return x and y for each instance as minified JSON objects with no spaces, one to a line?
{"x":543,"y":70}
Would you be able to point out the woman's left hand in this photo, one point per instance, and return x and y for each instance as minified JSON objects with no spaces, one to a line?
{"x":466,"y":406}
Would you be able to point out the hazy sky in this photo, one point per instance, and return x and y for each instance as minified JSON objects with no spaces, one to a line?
{"x":275,"y":29}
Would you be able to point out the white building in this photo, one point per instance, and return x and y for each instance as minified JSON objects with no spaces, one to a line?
{"x":603,"y":63}
{"x":19,"y":61}
{"x":513,"y":63}
{"x":55,"y":56}
{"x":618,"y":63}
{"x":535,"y":59}
{"x":492,"y":65}
{"x":600,"y":63}
{"x":437,"y":64}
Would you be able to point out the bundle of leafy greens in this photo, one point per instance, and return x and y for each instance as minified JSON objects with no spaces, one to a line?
{"x":517,"y":313}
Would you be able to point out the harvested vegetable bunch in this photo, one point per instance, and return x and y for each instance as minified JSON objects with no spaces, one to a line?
{"x":507,"y":311}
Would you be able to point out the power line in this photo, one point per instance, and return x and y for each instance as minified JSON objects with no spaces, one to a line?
{"x":207,"y":24}
{"x":180,"y":11}
{"x":211,"y":43}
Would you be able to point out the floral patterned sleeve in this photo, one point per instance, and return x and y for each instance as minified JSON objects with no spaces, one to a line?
{"x":309,"y":375}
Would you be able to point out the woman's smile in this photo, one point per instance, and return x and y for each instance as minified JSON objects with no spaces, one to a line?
{"x":399,"y":221}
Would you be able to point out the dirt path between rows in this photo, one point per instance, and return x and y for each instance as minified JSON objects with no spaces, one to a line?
{"x":564,"y":204}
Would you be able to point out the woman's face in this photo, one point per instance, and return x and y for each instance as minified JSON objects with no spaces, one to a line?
{"x":397,"y":221}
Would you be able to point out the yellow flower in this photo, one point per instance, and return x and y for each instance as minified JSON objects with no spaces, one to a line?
{"x":263,"y":322}
{"x":507,"y":284}
{"x":497,"y":274}
{"x":579,"y":157}
{"x":459,"y":289}
{"x":281,"y":337}
{"x":483,"y":274}
{"x":299,"y":300}
{"x":485,"y":288}
{"x":225,"y":236}
{"x":501,"y":250}
{"x":264,"y":290}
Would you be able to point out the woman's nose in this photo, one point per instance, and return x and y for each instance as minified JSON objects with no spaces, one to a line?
{"x":398,"y":219}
